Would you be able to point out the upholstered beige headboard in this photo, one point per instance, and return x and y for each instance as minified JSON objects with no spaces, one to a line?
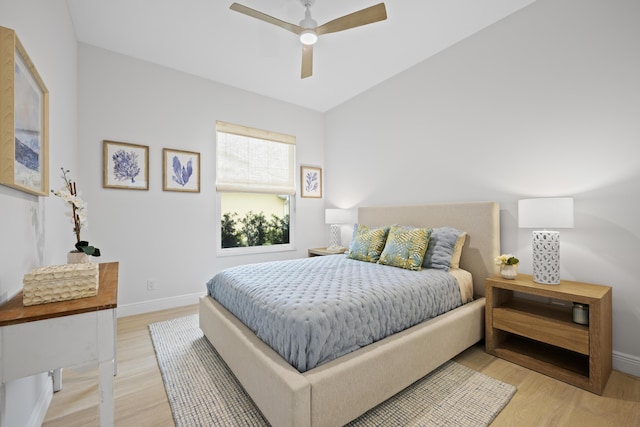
{"x":481,"y":221}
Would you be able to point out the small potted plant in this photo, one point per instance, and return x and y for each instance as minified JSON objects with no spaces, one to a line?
{"x":508,"y":266}
{"x":69,"y":194}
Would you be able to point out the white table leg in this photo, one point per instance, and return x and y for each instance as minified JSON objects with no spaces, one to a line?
{"x":106,"y":331}
{"x":3,"y":404}
{"x":106,"y":370}
{"x":115,"y":343}
{"x":57,"y":379}
{"x":3,"y":393}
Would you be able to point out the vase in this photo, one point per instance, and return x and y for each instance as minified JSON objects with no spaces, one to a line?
{"x":77,"y":257}
{"x":509,"y":271}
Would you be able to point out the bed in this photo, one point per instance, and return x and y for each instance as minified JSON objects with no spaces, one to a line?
{"x":340,"y":390}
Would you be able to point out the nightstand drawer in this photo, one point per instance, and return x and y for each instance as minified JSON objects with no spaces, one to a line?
{"x":548,"y":330}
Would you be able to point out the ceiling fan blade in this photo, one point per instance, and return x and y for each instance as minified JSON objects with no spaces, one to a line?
{"x":356,"y":19}
{"x":307,"y":61}
{"x":296,"y":29}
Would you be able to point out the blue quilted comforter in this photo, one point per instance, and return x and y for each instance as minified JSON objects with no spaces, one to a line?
{"x":313,"y":310}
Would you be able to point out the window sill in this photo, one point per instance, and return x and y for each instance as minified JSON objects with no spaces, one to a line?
{"x":255,"y":250}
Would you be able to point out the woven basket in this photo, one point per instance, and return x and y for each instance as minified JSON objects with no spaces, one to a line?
{"x":60,"y":283}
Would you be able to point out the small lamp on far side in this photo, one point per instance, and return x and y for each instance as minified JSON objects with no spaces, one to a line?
{"x":336,"y":217}
{"x":544,"y":213}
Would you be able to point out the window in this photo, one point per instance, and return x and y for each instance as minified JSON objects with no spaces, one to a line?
{"x":255,"y":181}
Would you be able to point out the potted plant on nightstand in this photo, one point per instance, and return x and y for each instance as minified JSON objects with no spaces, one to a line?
{"x":508,"y":266}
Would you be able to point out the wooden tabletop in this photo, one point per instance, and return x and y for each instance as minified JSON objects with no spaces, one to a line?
{"x":13,"y":311}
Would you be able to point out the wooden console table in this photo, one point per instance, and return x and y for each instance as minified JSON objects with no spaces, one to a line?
{"x":64,"y":334}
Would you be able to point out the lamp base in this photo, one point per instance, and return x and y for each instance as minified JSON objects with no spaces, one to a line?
{"x":334,"y":238}
{"x":546,"y":257}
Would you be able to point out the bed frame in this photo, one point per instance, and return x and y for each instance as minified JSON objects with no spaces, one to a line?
{"x":339,"y":391}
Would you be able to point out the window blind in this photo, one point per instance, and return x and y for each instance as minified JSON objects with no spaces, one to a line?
{"x":253,"y":160}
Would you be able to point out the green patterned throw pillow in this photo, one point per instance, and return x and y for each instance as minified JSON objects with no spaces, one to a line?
{"x":367,"y":243}
{"x":405,"y":247}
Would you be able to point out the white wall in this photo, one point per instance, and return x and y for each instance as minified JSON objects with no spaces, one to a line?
{"x":543,"y":103}
{"x":34,"y":230}
{"x":169,"y":236}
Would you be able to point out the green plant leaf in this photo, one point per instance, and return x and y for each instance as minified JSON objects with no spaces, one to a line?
{"x":87,"y":249}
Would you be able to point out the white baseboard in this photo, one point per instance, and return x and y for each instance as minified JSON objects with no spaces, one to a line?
{"x":626,"y":363}
{"x":42,"y":404}
{"x":157,"y":304}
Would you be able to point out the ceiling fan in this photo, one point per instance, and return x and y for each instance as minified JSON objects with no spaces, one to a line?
{"x":309,"y":31}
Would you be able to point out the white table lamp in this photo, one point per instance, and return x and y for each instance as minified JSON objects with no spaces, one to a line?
{"x":552,"y":212}
{"x":336,"y":217}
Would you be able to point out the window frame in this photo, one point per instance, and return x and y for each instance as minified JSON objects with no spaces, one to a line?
{"x":262,"y":249}
{"x":248,"y":250}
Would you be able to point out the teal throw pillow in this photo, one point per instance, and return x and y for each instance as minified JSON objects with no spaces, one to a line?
{"x":367,"y":243}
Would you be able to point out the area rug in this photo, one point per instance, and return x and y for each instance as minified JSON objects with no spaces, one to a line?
{"x":202,"y":391}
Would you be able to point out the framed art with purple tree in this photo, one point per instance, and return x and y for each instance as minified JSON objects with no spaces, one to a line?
{"x":310,"y":181}
{"x":126,"y":166}
{"x":180,"y":170}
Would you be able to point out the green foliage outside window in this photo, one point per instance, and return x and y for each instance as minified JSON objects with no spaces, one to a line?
{"x":253,"y":230}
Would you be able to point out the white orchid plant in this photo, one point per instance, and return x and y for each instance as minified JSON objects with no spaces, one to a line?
{"x":69,"y":194}
{"x":506,"y":259}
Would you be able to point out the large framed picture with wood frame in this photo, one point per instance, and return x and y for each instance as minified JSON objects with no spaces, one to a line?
{"x":24,"y":119}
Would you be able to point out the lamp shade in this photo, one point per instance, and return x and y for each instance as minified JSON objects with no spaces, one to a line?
{"x":548,"y":212}
{"x":338,"y":216}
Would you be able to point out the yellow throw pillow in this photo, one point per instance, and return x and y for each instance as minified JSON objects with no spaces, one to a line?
{"x":405,"y":247}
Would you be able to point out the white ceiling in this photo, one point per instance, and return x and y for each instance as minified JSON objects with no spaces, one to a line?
{"x":206,"y":39}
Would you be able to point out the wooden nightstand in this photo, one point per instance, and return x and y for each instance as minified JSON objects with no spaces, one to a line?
{"x":323,"y":252}
{"x":543,"y":337}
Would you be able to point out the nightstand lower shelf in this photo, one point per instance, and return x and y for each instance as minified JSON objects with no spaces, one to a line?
{"x":565,"y":365}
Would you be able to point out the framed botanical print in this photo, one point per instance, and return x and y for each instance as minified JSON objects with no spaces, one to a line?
{"x":180,"y":170}
{"x":24,"y":119}
{"x":310,"y":181}
{"x":125,"y":166}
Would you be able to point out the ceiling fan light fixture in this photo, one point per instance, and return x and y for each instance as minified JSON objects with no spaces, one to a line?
{"x":308,"y":30}
{"x":308,"y":37}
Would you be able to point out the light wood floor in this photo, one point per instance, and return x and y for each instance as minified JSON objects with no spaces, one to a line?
{"x":140,"y":399}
